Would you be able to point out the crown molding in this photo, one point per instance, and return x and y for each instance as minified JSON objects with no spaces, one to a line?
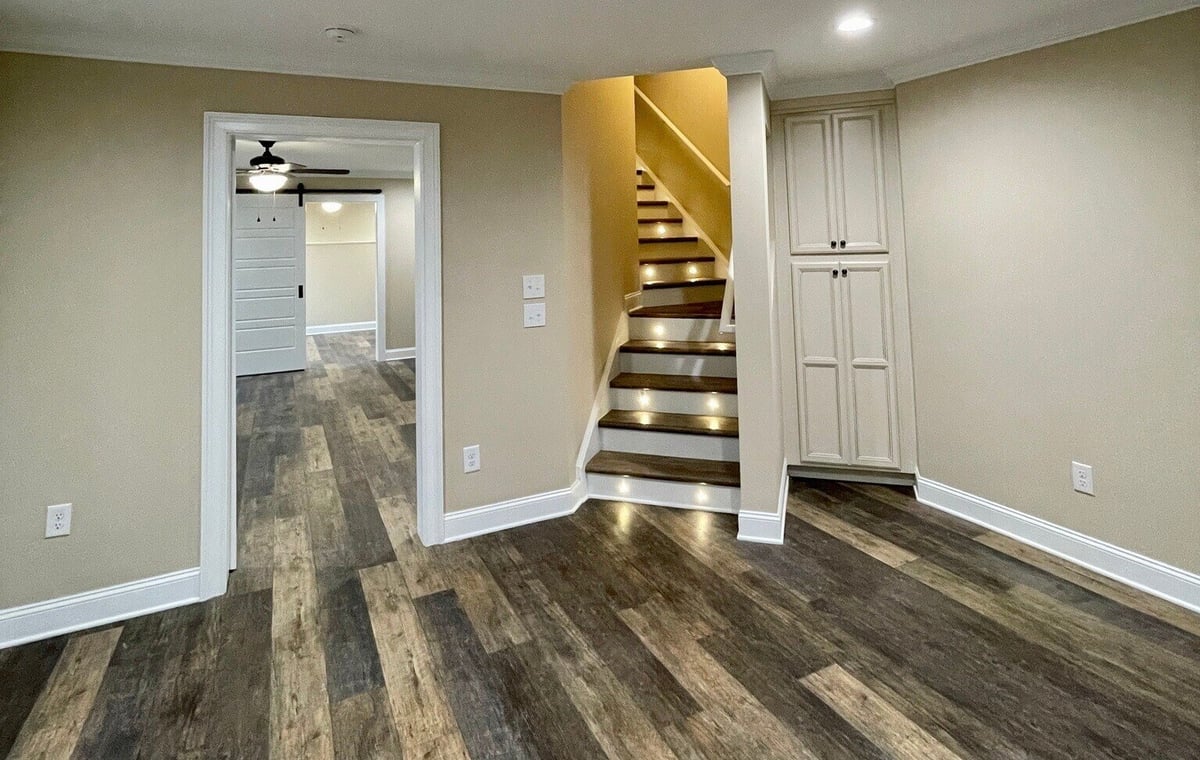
{"x":805,"y":88}
{"x":1108,"y":15}
{"x":477,"y":80}
{"x":759,"y":62}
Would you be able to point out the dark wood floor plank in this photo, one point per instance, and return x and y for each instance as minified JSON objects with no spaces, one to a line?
{"x":351,"y":658}
{"x":24,"y":671}
{"x":490,"y":725}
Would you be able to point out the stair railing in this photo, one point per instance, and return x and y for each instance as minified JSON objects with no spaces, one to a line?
{"x":727,"y":311}
{"x":691,"y":146}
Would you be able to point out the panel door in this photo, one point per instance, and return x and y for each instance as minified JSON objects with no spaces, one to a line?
{"x":870,"y":360}
{"x":818,"y":335}
{"x":861,"y":203}
{"x":808,"y":160}
{"x":268,"y":279}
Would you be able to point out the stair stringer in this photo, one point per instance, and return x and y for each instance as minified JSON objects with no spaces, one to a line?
{"x":601,"y":404}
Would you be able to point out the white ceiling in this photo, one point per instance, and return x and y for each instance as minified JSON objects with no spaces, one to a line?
{"x":361,"y":158}
{"x":545,"y":45}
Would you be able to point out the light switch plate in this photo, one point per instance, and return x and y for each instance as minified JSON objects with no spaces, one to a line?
{"x":533,"y":286}
{"x":535,"y":315}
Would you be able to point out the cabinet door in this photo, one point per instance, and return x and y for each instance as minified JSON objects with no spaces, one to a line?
{"x":870,"y":360}
{"x":808,"y":158}
{"x":858,"y":158}
{"x":817,"y":318}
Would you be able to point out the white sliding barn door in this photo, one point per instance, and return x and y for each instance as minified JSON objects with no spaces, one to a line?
{"x":268,"y":282}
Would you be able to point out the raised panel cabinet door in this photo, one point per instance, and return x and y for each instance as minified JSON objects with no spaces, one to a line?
{"x":861,"y":202}
{"x":871,"y":364}
{"x":808,"y":161}
{"x":268,"y":310}
{"x":816,"y":313}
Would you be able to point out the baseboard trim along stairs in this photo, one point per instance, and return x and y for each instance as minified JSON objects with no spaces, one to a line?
{"x":668,"y":434}
{"x":1143,"y":573}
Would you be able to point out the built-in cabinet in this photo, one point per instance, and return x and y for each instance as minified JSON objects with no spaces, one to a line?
{"x":847,"y":385}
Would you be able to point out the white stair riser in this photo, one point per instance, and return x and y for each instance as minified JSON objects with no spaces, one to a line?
{"x":693,"y":365}
{"x":693,"y":294}
{"x":675,"y":272}
{"x":674,"y":402}
{"x":664,"y":493}
{"x":647,"y":195}
{"x":669,"y":444}
{"x":658,"y":250}
{"x":655,"y":212}
{"x":696,"y":330}
{"x":661,"y":229}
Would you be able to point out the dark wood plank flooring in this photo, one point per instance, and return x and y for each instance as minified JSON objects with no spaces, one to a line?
{"x":879,"y":630}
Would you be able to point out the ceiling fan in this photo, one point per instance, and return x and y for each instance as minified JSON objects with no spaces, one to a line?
{"x":269,"y":172}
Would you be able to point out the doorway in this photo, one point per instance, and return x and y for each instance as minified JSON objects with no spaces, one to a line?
{"x":218,"y":527}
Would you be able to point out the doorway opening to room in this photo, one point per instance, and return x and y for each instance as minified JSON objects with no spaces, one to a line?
{"x":323,"y":309}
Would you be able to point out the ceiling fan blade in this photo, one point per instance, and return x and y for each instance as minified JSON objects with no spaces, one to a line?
{"x":320,"y":171}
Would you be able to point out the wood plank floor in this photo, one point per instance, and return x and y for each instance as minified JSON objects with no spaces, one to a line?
{"x":880,"y":630}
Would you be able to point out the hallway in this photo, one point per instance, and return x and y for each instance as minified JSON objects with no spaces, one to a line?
{"x":880,"y":629}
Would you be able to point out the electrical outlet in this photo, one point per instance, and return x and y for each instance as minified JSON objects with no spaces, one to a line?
{"x":471,"y":458}
{"x":1081,"y":478}
{"x":535,"y":315}
{"x":533,"y":286}
{"x":58,"y":520}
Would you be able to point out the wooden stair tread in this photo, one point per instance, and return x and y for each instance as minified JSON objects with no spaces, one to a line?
{"x":645,"y":186}
{"x":662,"y":220}
{"x":698,"y":310}
{"x":674,"y":469}
{"x":684,"y":383}
{"x":700,"y":348}
{"x":667,"y":422}
{"x":698,"y":282}
{"x":645,"y":204}
{"x":677,"y":260}
{"x":672,"y":239}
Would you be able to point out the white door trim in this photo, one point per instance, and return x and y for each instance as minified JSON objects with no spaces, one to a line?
{"x":380,"y":325}
{"x":218,"y":428}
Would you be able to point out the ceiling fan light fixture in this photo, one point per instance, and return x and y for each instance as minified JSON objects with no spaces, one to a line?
{"x":267,"y":181}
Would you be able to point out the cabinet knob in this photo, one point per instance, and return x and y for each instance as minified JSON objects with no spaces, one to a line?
{"x":843,"y":273}
{"x":843,"y":244}
{"x":833,"y":244}
{"x":834,"y":273}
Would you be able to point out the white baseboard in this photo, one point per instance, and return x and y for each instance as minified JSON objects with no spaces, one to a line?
{"x":42,"y":620}
{"x":766,"y":527}
{"x":510,"y":514}
{"x":395,"y":354}
{"x":344,"y":327}
{"x":1158,"y":578}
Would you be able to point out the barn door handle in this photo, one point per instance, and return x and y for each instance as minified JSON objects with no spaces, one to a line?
{"x":302,"y":291}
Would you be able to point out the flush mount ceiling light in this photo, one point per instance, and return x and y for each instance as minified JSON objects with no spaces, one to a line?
{"x":855,"y":22}
{"x":267,"y":180}
{"x":331,"y":207}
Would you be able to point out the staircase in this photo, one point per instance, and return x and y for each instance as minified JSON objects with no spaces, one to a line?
{"x":671,"y":435}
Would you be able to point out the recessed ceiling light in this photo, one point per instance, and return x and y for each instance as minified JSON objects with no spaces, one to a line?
{"x":855,"y":22}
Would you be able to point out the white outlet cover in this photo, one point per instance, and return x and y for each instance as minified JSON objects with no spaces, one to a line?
{"x":58,"y":520}
{"x":1081,"y":478}
{"x":533,"y":286}
{"x":471,"y":458}
{"x":535,"y":315}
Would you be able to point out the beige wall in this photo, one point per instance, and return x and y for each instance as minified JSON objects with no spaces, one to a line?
{"x":1052,"y":208}
{"x":600,"y":212}
{"x":703,"y":195}
{"x":339,"y":265}
{"x":100,"y":298}
{"x":698,"y":102}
